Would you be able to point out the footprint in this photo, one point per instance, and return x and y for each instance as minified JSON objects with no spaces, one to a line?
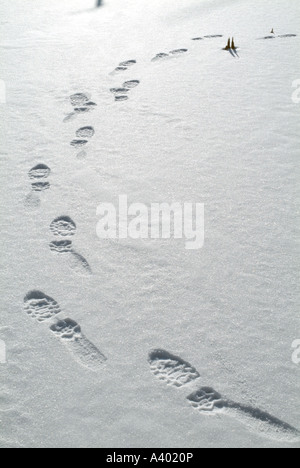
{"x":82,"y":155}
{"x":82,"y":105}
{"x":61,"y":247}
{"x":84,"y":352}
{"x":175,"y":371}
{"x":36,"y":174}
{"x":213,"y":36}
{"x":32,"y":200}
{"x":63,"y":227}
{"x":160,"y":56}
{"x":40,"y":186}
{"x":131,"y":84}
{"x":79,"y":99}
{"x":128,"y":63}
{"x":85,"y":132}
{"x":119,"y":70}
{"x":79,"y":264}
{"x":171,"y":369}
{"x":178,"y":51}
{"x":78,"y":143}
{"x":287,"y":35}
{"x":82,"y":110}
{"x":41,"y":171}
{"x":208,"y":401}
{"x":267,"y":37}
{"x":40,"y":307}
{"x":90,"y":104}
{"x":119,"y":91}
{"x":43,"y":308}
{"x":121,"y":98}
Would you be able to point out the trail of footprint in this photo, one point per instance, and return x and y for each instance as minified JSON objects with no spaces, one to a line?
{"x":37,"y":175}
{"x":84,"y":352}
{"x":208,"y":401}
{"x":171,"y":369}
{"x":43,"y":308}
{"x":64,"y":226}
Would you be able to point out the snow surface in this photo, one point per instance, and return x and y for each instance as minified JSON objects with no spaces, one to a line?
{"x":202,"y":127}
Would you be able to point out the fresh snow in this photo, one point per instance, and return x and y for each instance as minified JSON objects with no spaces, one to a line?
{"x":139,"y":343}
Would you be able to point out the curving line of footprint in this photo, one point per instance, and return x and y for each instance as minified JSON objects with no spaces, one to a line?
{"x":176,"y":372}
{"x":166,"y":367}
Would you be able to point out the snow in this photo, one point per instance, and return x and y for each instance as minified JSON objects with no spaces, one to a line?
{"x":202,"y":126}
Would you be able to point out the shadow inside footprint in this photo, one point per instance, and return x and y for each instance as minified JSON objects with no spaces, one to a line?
{"x":171,"y":369}
{"x":40,"y":306}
